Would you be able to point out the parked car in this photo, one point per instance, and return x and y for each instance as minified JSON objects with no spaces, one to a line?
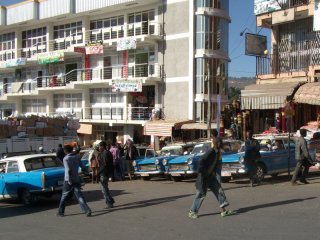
{"x":29,"y":176}
{"x":275,"y":152}
{"x":151,"y":167}
{"x":187,"y":165}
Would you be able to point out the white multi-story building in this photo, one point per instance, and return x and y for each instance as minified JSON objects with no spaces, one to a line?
{"x":155,"y":54}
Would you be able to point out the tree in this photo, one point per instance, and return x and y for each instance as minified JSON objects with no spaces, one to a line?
{"x":234,"y":93}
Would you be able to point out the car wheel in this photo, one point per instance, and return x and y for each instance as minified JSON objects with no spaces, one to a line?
{"x":146,"y":178}
{"x":26,"y":197}
{"x":176,"y":179}
{"x":260,"y":172}
{"x":225,"y":179}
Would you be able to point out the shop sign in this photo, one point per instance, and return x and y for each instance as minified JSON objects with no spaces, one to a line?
{"x":94,"y":48}
{"x":126,"y":85}
{"x":316,"y":16}
{"x":126,"y":44}
{"x":266,"y":6}
{"x":15,"y":62}
{"x":51,"y":57}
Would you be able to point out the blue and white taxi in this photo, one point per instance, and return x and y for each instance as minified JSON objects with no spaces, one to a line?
{"x":29,"y":176}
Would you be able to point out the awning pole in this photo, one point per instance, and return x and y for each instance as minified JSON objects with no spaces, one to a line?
{"x":209,"y":110}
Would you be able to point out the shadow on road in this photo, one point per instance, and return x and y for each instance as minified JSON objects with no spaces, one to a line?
{"x":273,"y":204}
{"x":142,"y":204}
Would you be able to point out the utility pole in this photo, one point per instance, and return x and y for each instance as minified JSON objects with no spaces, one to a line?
{"x":209,"y":110}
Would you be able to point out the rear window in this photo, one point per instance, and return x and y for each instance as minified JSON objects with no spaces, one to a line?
{"x":42,"y":163}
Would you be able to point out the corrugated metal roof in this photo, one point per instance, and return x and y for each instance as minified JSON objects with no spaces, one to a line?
{"x":308,"y":93}
{"x":266,"y":96}
{"x":162,"y":127}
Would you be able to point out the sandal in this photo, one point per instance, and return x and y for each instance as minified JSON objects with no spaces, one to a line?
{"x":228,"y":213}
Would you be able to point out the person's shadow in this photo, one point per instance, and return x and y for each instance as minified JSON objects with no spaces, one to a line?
{"x":266,"y":205}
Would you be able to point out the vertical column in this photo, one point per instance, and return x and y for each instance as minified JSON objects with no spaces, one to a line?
{"x":86,"y":112}
{"x":86,"y":29}
{"x":50,"y":37}
{"x":50,"y":106}
{"x":18,"y":43}
{"x":18,"y":103}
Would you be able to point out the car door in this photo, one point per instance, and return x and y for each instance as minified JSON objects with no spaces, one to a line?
{"x":2,"y":173}
{"x":10,"y":179}
{"x":279,"y":156}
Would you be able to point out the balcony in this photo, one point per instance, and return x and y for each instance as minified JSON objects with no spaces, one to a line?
{"x":122,"y":114}
{"x":285,"y":62}
{"x":290,"y":10}
{"x":147,"y":29}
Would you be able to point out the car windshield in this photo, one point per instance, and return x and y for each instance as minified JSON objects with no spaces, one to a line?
{"x":171,"y":151}
{"x":201,"y":149}
{"x":42,"y":162}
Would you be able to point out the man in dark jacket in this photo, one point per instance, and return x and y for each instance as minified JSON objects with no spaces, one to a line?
{"x":302,"y":155}
{"x":60,"y":152}
{"x":105,"y":172}
{"x":251,"y":155}
{"x":207,"y":179}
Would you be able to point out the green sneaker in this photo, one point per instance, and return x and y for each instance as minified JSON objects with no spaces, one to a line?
{"x":193,"y":215}
{"x":228,"y":213}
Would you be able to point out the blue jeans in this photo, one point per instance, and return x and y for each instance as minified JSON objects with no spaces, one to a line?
{"x":217,"y":190}
{"x":104,"y":180}
{"x":67,"y":192}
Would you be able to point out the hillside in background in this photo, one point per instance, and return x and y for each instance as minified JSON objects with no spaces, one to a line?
{"x":240,"y":83}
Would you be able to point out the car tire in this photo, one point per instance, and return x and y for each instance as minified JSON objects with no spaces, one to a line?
{"x":176,"y":179}
{"x":26,"y":197}
{"x":146,"y":178}
{"x":260,"y":172}
{"x":225,"y":179}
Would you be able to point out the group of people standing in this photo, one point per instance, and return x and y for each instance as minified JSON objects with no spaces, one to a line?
{"x":104,"y":161}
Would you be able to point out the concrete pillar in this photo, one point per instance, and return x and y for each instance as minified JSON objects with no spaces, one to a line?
{"x":86,"y":103}
{"x":18,"y":43}
{"x":50,"y":107}
{"x":86,"y":29}
{"x":50,"y":38}
{"x":18,"y":103}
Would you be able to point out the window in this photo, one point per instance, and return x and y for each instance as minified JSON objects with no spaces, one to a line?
{"x":3,"y":167}
{"x":43,"y":162}
{"x":7,"y":45}
{"x":104,"y":95}
{"x":70,"y":33}
{"x":34,"y":105}
{"x":72,"y":100}
{"x":13,"y":167}
{"x":112,"y":23}
{"x":140,"y":23}
{"x":35,"y":39}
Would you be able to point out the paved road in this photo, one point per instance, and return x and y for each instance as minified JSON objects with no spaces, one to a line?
{"x":158,"y":210}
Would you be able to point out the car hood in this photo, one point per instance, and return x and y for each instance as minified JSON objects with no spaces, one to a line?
{"x":232,"y":158}
{"x":184,"y":159}
{"x":152,"y":160}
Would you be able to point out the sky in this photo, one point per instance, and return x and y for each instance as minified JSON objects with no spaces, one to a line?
{"x":242,"y":18}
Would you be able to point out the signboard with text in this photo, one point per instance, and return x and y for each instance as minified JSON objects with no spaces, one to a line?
{"x":94,"y":48}
{"x":51,"y":57}
{"x":16,"y":62}
{"x":126,"y":44}
{"x":266,"y":6}
{"x":126,"y":85}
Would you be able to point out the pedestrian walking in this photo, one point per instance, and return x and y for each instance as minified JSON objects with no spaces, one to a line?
{"x":60,"y":152}
{"x":94,"y":160}
{"x":130,"y":153}
{"x":302,"y":157}
{"x":217,"y":146}
{"x":117,"y":169}
{"x":72,"y":183}
{"x":207,"y":179}
{"x":106,"y":171}
{"x":251,"y":156}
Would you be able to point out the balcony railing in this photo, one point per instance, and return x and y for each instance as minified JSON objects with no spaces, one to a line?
{"x":293,"y":3}
{"x":284,"y":62}
{"x":130,"y":30}
{"x":18,"y":87}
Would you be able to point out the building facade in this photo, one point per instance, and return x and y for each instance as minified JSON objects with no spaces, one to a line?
{"x":287,"y":76}
{"x":113,"y":64}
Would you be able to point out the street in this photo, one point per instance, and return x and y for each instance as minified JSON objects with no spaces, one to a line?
{"x":158,"y":209}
